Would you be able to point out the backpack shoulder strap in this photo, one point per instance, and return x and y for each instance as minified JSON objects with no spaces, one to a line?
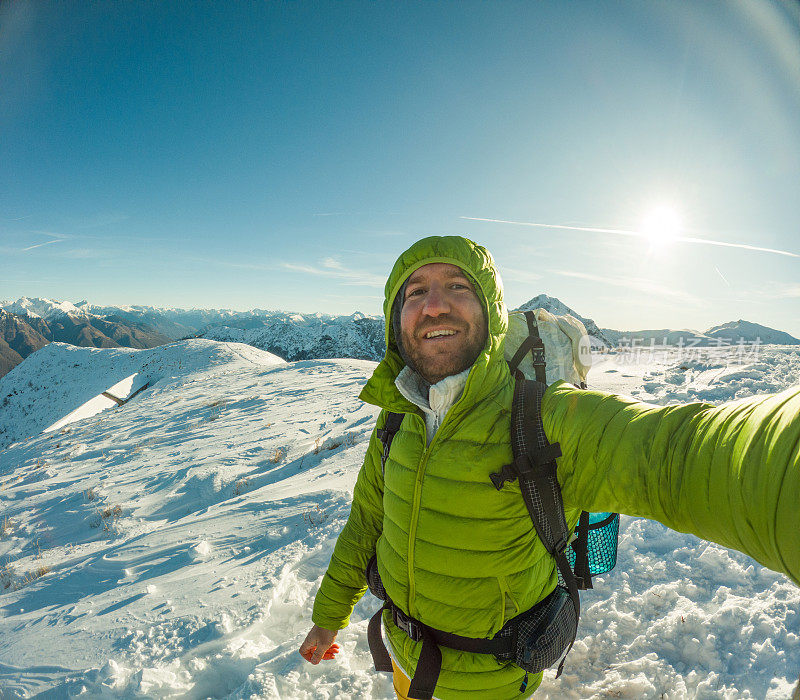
{"x":535,"y":467}
{"x":533,"y":344}
{"x":387,"y":433}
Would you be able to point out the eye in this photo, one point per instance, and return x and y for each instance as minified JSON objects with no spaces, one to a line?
{"x":414,"y":292}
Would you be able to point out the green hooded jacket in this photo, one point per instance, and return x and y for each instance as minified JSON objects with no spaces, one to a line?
{"x":464,"y":558}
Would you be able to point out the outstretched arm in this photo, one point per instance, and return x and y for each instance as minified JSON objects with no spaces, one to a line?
{"x":728,"y":473}
{"x":344,"y":582}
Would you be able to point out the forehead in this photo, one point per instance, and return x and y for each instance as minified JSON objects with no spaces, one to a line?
{"x":434,"y":271}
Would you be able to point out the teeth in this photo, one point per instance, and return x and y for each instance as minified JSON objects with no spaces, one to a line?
{"x":434,"y":334}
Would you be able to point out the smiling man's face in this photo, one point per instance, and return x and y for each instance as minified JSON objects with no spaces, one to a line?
{"x":443,"y":328}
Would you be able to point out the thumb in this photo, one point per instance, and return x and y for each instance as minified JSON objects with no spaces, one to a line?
{"x":309,"y":643}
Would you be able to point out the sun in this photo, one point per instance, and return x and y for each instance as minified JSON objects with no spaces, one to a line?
{"x":661,"y":225}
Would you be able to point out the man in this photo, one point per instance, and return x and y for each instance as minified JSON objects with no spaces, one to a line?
{"x":462,"y":556}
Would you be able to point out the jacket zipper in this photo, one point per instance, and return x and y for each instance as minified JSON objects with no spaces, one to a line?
{"x":415,"y":507}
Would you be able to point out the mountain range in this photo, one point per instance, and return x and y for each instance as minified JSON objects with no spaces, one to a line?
{"x":31,"y":323}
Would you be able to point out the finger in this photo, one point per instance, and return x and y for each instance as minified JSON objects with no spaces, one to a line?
{"x":307,"y":645}
{"x":319,"y":652}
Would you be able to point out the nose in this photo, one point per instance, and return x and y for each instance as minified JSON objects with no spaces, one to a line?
{"x":436,"y":302}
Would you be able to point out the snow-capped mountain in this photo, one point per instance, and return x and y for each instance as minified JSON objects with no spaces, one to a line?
{"x":290,"y":335}
{"x":558,"y":307}
{"x":301,"y":337}
{"x":19,"y":337}
{"x":34,"y":323}
{"x":749,"y":332}
{"x":731,"y":333}
{"x":172,"y":547}
{"x":41,"y":307}
{"x":664,"y":336}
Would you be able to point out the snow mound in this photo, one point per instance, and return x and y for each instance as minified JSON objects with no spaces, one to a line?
{"x":59,"y":378}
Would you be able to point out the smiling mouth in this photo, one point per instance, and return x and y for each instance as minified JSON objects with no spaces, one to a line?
{"x":431,"y":335}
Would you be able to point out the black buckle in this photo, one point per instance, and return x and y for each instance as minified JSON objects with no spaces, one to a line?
{"x":408,"y":624}
{"x":537,"y":460}
{"x":507,"y":473}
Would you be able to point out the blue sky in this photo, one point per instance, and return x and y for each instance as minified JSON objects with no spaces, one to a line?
{"x":280,"y":155}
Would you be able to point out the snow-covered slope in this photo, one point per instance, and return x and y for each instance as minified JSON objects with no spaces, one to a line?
{"x":60,"y":377}
{"x":172,"y":547}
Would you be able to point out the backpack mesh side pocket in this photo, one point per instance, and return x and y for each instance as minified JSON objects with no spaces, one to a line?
{"x":601,"y":543}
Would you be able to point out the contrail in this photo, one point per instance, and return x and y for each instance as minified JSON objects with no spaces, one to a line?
{"x":721,"y":275}
{"x":39,"y":245}
{"x":621,"y":232}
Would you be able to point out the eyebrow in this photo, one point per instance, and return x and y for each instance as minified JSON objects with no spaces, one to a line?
{"x":458,"y":272}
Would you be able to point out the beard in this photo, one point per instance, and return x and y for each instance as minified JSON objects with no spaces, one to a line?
{"x":434,"y":360}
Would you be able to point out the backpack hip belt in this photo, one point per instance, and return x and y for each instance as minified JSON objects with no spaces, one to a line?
{"x":534,"y":640}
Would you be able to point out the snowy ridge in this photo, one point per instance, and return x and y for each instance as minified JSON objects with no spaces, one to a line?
{"x":735,"y":331}
{"x":299,"y":337}
{"x":60,"y":377}
{"x":41,"y":307}
{"x":177,"y":542}
{"x":559,"y":308}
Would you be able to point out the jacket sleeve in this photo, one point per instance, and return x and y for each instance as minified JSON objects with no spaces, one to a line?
{"x":728,"y":473}
{"x":344,"y":582}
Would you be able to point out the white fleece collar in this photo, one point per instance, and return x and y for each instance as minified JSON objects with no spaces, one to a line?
{"x":435,"y":400}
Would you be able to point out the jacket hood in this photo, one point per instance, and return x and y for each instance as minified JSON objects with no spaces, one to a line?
{"x":478,"y":263}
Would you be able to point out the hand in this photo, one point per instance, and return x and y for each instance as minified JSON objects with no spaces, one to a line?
{"x":318,"y":645}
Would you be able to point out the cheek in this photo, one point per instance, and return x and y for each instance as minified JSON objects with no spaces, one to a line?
{"x":474,"y":312}
{"x":406,"y":319}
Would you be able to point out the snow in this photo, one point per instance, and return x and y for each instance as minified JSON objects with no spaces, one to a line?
{"x":41,"y":307}
{"x":113,"y":396}
{"x":172,"y":547}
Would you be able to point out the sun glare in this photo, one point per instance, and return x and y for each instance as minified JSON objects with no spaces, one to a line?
{"x":661,"y":226}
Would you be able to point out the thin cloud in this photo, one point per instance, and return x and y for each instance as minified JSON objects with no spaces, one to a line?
{"x":53,"y":234}
{"x":637,"y":234}
{"x":332,"y":268}
{"x":514,"y":275}
{"x":638,"y":284}
{"x":39,"y":245}
{"x":101,"y":220}
{"x":383,"y":232}
{"x":780,"y":291}
{"x":87,"y":254}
